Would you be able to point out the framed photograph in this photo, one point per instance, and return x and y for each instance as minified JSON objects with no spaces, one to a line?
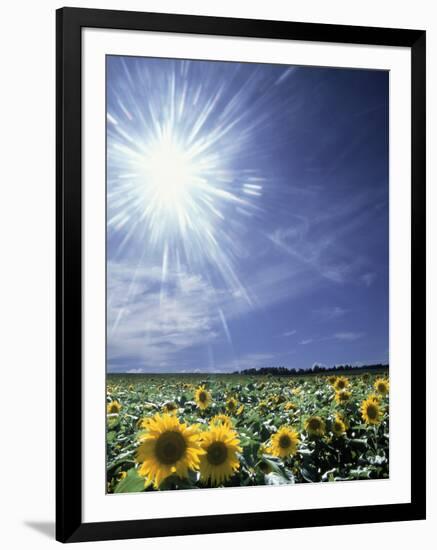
{"x":240,"y":274}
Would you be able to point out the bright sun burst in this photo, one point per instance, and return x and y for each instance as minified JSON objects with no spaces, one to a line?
{"x":170,"y":176}
{"x":181,"y":183}
{"x":182,"y":190}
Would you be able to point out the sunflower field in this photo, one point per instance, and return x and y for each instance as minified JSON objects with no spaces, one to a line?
{"x":198,"y":431}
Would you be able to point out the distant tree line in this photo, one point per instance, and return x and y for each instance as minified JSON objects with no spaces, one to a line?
{"x":283,"y":371}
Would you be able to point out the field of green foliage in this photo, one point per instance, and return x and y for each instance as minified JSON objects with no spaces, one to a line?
{"x":195,"y":431}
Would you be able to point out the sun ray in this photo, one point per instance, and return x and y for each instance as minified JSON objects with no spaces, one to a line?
{"x":174,"y":172}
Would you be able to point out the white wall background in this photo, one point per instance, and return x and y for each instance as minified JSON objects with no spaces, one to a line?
{"x":27,"y":266}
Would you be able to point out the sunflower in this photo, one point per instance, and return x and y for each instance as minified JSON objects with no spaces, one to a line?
{"x":143,"y":422}
{"x":221,"y":419}
{"x":289,"y":406}
{"x":341,"y":383}
{"x":232,"y":404}
{"x":170,"y":407}
{"x":284,"y":442}
{"x":339,"y":426}
{"x":382,"y":386}
{"x":219,"y":461}
{"x":113,"y":407}
{"x":296,"y":391}
{"x":262,"y":449}
{"x":168,"y":447}
{"x":342,"y":396}
{"x":315,"y":426}
{"x":202,"y":398}
{"x":332,"y":379}
{"x":371,"y":411}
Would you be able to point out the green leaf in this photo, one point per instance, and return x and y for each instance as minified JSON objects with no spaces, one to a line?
{"x":132,"y":483}
{"x":309,"y":474}
{"x":272,"y":464}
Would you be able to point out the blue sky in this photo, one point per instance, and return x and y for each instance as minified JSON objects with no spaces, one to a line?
{"x":247,"y":216}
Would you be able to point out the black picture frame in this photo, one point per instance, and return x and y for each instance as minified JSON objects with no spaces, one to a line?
{"x":69,"y":23}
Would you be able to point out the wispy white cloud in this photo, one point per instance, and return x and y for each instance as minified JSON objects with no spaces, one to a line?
{"x":318,"y":364}
{"x":306,"y":342}
{"x":275,"y":282}
{"x":171,"y":324}
{"x":321,"y":243}
{"x":330,"y":313}
{"x":195,"y":371}
{"x":368,"y":278}
{"x":348,"y":336}
{"x":151,"y":323}
{"x":319,"y":255}
{"x":342,"y":336}
{"x":289,"y":333}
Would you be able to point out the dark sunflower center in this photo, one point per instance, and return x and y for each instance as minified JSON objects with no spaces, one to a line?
{"x":372,"y":412}
{"x":217,"y":453}
{"x":314,"y":424}
{"x":381,"y":388}
{"x":170,"y":447}
{"x":284,"y":441}
{"x":338,"y":427}
{"x":202,"y":396}
{"x":340,"y":384}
